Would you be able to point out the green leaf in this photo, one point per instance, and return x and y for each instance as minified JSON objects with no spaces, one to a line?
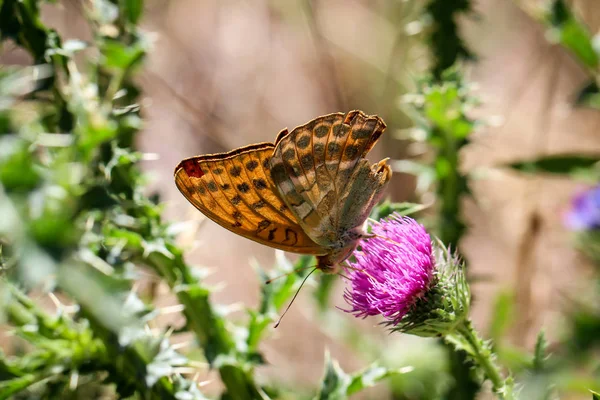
{"x":7,"y":371}
{"x":35,"y":266}
{"x":96,"y":132}
{"x":589,"y":96}
{"x":335,"y":383}
{"x":132,"y":10}
{"x":595,"y":395}
{"x":322,"y":293}
{"x":104,"y":296}
{"x":444,"y":109}
{"x":559,"y":164}
{"x":119,"y":55}
{"x":539,"y":354}
{"x":585,"y":335}
{"x":371,"y":376}
{"x":15,"y":385}
{"x":17,"y":171}
{"x":386,"y":208}
{"x":572,"y":33}
{"x":503,"y":313}
{"x":51,"y":210}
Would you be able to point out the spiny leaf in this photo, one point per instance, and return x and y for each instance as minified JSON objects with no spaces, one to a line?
{"x":502,"y":315}
{"x":572,"y":33}
{"x":557,"y":164}
{"x":371,"y":376}
{"x":335,"y":383}
{"x":539,"y":354}
{"x":589,"y":96}
{"x":132,"y":9}
{"x":386,"y":208}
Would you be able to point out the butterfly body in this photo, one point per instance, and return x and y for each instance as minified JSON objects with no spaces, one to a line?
{"x":310,"y":192}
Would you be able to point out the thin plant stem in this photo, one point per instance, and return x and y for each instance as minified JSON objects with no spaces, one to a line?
{"x":484,"y":358}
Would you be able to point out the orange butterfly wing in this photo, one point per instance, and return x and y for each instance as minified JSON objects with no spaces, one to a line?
{"x":235,"y":190}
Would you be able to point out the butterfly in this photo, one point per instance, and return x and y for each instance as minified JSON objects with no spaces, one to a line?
{"x":310,"y":192}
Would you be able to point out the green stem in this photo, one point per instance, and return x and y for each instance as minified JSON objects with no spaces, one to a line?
{"x":483,"y":356}
{"x":450,"y":192}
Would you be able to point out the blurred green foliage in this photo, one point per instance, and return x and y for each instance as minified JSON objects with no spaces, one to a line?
{"x":572,"y":366}
{"x":337,"y":384}
{"x":439,"y":111}
{"x":76,"y":223}
{"x":444,"y":39}
{"x":77,"y":227}
{"x":569,"y":31}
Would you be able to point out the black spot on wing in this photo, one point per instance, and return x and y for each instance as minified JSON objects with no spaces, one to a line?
{"x":235,"y":171}
{"x":259,"y":184}
{"x":243,"y":187}
{"x":266,"y":163}
{"x":307,"y":161}
{"x":251,"y":165}
{"x":351,"y":151}
{"x":290,"y":235}
{"x":289,"y":154}
{"x":333,"y":150}
{"x":212,"y":186}
{"x":272,"y":234}
{"x":361,"y":133}
{"x":262,"y":225}
{"x":337,"y":130}
{"x":321,"y":131}
{"x":303,"y":142}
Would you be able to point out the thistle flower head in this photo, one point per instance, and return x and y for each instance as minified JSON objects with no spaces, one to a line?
{"x":401,"y":275}
{"x":392,"y":269}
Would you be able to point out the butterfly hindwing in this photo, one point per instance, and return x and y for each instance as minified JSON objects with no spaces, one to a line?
{"x":322,"y":175}
{"x":236,"y":190}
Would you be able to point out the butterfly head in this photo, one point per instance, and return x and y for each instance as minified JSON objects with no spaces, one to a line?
{"x":343,"y":248}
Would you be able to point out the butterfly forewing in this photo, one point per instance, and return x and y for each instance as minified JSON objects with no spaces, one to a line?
{"x":236,"y":190}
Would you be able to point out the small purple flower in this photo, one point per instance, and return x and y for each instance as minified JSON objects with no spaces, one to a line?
{"x":585,"y":211}
{"x":391,"y":271}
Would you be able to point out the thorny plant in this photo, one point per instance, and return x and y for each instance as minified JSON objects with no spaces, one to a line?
{"x":77,"y":227}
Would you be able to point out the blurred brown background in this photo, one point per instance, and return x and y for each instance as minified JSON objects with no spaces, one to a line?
{"x":229,"y":73}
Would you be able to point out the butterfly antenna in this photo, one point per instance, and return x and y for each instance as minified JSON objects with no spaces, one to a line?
{"x":268,"y":281}
{"x":294,"y":298}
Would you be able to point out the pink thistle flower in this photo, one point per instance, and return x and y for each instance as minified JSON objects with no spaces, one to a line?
{"x":391,"y":271}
